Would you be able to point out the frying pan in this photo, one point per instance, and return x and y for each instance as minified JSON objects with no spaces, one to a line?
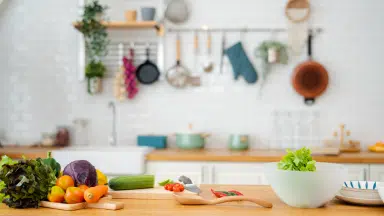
{"x":147,"y":72}
{"x":177,"y":75}
{"x":310,"y":78}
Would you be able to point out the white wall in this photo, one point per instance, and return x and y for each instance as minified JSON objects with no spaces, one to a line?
{"x":38,"y":68}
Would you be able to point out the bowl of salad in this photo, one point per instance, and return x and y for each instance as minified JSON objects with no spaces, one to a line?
{"x":301,"y":182}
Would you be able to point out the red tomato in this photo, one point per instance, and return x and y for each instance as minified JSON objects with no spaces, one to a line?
{"x":178,"y":187}
{"x":168,"y":187}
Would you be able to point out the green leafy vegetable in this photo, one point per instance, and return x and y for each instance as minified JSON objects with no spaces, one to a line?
{"x":299,"y":160}
{"x":7,"y":160}
{"x":26,"y":183}
{"x":53,"y":164}
{"x":168,"y":181}
{"x":2,"y":186}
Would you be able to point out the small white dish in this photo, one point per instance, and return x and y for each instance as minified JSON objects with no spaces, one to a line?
{"x":360,"y":201}
{"x":360,"y":190}
{"x":380,"y":189}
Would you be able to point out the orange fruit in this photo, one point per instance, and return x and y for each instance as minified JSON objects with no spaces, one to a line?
{"x":74,"y":195}
{"x":65,"y":181}
{"x":56,"y":194}
{"x":83,"y":187}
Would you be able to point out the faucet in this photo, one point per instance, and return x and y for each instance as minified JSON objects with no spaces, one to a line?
{"x":112,"y":139}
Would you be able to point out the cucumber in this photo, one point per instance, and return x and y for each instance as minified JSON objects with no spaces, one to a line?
{"x":132,"y":182}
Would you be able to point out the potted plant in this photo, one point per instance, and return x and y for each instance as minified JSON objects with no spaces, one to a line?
{"x":94,"y":72}
{"x":96,"y":41}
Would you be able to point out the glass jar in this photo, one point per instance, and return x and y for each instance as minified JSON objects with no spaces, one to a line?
{"x":47,"y":139}
{"x":80,"y":132}
{"x":62,"y":136}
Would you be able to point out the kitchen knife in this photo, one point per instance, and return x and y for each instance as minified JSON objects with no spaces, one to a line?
{"x":188,"y":184}
{"x":192,"y":188}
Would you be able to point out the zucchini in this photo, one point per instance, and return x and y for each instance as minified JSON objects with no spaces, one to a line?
{"x":132,"y":182}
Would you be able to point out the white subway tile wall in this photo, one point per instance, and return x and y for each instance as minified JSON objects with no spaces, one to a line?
{"x":40,"y":89}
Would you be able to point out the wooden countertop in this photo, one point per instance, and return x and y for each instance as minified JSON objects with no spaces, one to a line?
{"x":223,"y":155}
{"x":216,"y":155}
{"x":28,"y":152}
{"x":171,"y":207}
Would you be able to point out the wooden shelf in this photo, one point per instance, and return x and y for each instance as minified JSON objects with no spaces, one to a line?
{"x":128,"y":25}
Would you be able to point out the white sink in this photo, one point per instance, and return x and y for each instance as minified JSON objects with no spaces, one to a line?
{"x":110,"y":160}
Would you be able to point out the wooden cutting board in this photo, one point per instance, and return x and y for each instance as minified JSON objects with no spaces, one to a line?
{"x":104,"y":203}
{"x":157,"y":193}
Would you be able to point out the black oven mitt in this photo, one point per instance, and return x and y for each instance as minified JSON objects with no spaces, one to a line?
{"x":241,"y":64}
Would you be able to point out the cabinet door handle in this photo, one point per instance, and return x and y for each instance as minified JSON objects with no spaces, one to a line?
{"x":365,"y":174}
{"x":202,"y":174}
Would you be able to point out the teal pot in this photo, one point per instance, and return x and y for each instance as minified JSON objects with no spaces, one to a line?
{"x":238,"y":142}
{"x":191,"y":141}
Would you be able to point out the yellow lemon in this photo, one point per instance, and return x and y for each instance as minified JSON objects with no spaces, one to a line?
{"x":101,"y":178}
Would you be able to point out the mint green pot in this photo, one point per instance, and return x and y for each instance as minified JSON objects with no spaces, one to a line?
{"x":190,"y":141}
{"x":238,"y":142}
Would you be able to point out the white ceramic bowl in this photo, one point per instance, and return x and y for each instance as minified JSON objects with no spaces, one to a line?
{"x":306,"y":189}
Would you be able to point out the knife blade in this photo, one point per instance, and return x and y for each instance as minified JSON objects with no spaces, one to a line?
{"x":192,"y":188}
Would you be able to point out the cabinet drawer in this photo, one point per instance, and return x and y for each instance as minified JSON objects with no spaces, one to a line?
{"x":357,"y":171}
{"x":238,"y":174}
{"x":376,"y":172}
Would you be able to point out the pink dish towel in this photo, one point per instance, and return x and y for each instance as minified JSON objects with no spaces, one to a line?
{"x":130,"y":76}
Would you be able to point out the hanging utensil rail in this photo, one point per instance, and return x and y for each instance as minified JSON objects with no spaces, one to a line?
{"x":245,"y":29}
{"x":118,"y":49}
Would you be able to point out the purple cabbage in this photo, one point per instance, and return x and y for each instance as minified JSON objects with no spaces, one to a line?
{"x":82,"y":172}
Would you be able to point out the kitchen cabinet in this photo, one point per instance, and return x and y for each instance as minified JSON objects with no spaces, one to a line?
{"x":376,"y":172}
{"x":237,"y":173}
{"x":209,"y":173}
{"x":241,"y":173}
{"x":196,"y":171}
{"x":358,"y":171}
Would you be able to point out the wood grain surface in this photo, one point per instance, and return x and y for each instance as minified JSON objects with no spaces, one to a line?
{"x":218,"y":155}
{"x":224,"y":155}
{"x":171,"y":207}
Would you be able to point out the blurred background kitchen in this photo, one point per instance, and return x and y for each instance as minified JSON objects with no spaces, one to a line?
{"x":74,"y":74}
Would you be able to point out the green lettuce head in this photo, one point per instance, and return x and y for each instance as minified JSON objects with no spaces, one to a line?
{"x":299,"y":160}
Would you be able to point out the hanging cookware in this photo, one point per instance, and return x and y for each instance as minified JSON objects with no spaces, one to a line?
{"x":147,"y":72}
{"x":310,"y":78}
{"x":297,"y":13}
{"x":208,"y":63}
{"x":301,"y":5}
{"x":176,"y":11}
{"x":177,"y":75}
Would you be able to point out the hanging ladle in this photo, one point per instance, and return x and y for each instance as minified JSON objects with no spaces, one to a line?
{"x":208,"y":64}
